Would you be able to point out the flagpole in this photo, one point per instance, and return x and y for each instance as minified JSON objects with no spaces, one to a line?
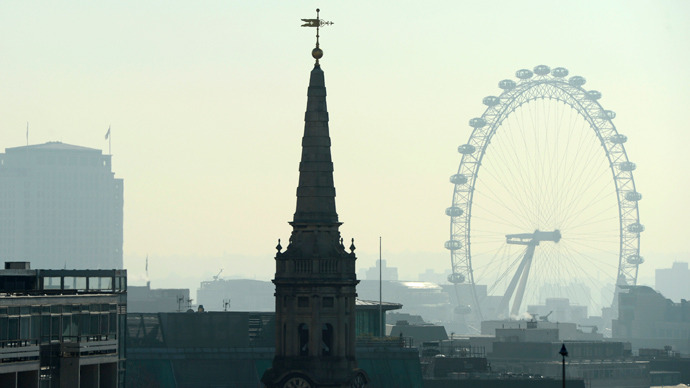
{"x":27,"y":133}
{"x":107,"y":137}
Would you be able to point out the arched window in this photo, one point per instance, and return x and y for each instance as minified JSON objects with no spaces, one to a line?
{"x":303,"y":332}
{"x":326,"y":339}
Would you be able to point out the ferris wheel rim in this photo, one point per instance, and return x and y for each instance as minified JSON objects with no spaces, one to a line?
{"x":543,"y":83}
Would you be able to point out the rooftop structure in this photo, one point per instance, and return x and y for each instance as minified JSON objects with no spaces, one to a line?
{"x":62,"y":328}
{"x":61,"y":207}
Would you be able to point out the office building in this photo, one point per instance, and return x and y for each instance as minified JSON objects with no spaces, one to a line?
{"x":60,"y":207}
{"x":62,"y":328}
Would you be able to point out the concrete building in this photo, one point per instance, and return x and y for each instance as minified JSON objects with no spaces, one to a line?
{"x":673,"y":282}
{"x":315,"y":276}
{"x":60,"y":207}
{"x":62,"y":328}
{"x":648,"y":320}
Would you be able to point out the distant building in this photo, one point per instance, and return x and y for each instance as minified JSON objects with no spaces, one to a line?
{"x":239,"y":294}
{"x":429,"y":275}
{"x":60,"y":207}
{"x":144,"y":299}
{"x":62,"y":328}
{"x":673,"y":282}
{"x":559,"y":310}
{"x":422,"y":298}
{"x":648,"y":320}
{"x":380,"y":270}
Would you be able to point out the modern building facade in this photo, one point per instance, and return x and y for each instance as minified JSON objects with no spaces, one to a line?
{"x":60,"y":207}
{"x":62,"y":328}
{"x":673,"y":282}
{"x":315,"y":276}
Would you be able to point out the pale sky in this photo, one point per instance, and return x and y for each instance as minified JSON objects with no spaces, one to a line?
{"x":206,"y":101}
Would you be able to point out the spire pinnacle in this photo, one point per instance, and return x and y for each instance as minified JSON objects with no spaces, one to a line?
{"x":317,"y":53}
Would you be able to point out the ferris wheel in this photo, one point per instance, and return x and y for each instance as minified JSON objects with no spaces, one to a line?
{"x":544,"y":200}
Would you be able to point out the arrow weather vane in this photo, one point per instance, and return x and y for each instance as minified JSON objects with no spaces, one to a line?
{"x":317,"y":53}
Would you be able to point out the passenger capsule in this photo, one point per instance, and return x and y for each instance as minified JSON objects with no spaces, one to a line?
{"x":559,"y":72}
{"x":507,"y":84}
{"x":453,"y":211}
{"x":593,"y":95}
{"x":453,"y":245}
{"x":491,"y":101}
{"x":627,"y":166}
{"x":477,"y":122}
{"x":466,"y":149}
{"x":524,"y":74}
{"x":542,"y":70}
{"x":636,"y":228}
{"x":633,"y":196}
{"x":635,"y":259}
{"x":458,"y":179}
{"x":618,"y":138}
{"x":609,"y":114}
{"x":577,"y":81}
{"x":456,"y":278}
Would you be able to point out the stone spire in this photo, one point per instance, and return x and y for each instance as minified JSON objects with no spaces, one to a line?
{"x":316,"y":192}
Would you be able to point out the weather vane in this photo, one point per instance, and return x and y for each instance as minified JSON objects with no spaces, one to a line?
{"x":317,"y":53}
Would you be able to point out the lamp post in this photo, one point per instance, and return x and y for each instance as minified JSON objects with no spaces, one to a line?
{"x":564,"y":353}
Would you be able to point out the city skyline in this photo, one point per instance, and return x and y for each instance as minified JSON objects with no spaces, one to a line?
{"x":206,"y":107}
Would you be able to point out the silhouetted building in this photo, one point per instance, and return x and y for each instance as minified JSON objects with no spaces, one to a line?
{"x":673,"y":282}
{"x":648,"y":320}
{"x":315,"y":277}
{"x":61,"y":207}
{"x":62,"y":328}
{"x":234,"y":349}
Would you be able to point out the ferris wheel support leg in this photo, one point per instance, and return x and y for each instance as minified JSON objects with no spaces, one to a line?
{"x":523,"y":281}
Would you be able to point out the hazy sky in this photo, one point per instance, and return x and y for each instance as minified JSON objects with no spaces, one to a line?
{"x":206,"y":102}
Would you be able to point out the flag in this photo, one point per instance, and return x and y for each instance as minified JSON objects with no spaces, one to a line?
{"x":147,"y":263}
{"x":107,"y":134}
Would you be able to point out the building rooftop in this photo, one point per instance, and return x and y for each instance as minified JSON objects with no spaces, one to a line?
{"x":52,"y":146}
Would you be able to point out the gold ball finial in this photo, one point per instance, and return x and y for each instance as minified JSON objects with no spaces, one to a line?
{"x":317,"y":53}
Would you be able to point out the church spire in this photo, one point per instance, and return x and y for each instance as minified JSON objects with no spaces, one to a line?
{"x":315,"y":277}
{"x":316,"y":192}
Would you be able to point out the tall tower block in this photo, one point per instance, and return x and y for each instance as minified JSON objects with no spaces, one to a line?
{"x":315,"y":276}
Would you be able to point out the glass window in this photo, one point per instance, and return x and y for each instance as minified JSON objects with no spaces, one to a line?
{"x":328,"y":301}
{"x":51,"y":283}
{"x":106,"y":283}
{"x":13,"y":333}
{"x":80,"y":283}
{"x":70,"y":283}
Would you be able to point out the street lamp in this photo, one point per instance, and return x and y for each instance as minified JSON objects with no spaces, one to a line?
{"x":564,"y":353}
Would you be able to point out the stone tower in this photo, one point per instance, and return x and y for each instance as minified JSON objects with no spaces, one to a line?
{"x":315,"y":276}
